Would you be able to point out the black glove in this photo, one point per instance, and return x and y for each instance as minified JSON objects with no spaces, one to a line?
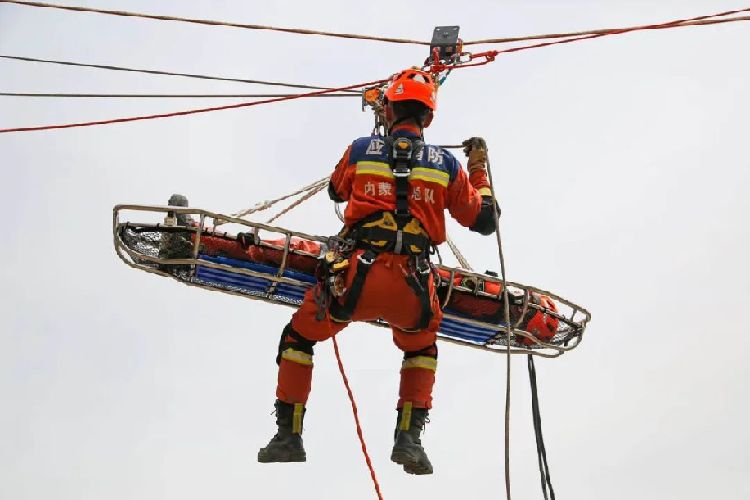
{"x":247,"y":239}
{"x":473,"y":143}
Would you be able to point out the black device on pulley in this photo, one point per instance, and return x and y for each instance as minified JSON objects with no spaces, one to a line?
{"x":445,"y":40}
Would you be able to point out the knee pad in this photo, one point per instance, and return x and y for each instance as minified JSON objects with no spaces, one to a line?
{"x":430,"y":351}
{"x":290,"y":339}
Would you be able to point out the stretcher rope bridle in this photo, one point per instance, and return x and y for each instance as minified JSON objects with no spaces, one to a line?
{"x":270,"y":203}
{"x":312,"y":192}
{"x":314,"y":188}
{"x":457,"y":253}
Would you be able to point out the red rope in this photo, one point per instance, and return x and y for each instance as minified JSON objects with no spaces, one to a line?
{"x":488,"y":56}
{"x":482,"y":58}
{"x":619,"y":31}
{"x":695,"y":21}
{"x":191,"y":111}
{"x":356,"y":418}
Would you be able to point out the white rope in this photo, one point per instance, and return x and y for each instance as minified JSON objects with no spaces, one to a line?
{"x":312,"y":192}
{"x":457,"y":253}
{"x":269,"y":203}
{"x":507,"y":330}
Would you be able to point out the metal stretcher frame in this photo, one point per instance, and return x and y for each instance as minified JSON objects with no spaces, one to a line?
{"x":284,"y":285}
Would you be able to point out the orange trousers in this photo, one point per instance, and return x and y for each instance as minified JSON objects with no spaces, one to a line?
{"x":385,"y":295}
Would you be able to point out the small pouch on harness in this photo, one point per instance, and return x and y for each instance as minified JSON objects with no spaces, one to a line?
{"x":336,"y":266}
{"x":381,"y":233}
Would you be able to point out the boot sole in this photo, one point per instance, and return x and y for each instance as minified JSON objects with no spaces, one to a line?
{"x":411,"y":464}
{"x":288,"y":458}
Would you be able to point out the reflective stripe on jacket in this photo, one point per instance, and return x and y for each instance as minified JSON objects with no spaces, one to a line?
{"x":437,"y":182}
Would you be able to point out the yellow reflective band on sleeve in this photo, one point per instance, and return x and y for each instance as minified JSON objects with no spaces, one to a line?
{"x":374,"y":168}
{"x":485,"y":191}
{"x":299,"y":410}
{"x":405,"y":417}
{"x":425,"y":362}
{"x":430,"y":175}
{"x":297,"y":357}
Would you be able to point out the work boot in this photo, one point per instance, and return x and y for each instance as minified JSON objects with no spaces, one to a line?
{"x":286,"y":445}
{"x":407,"y":449}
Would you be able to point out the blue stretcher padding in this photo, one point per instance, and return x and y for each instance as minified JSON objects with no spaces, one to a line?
{"x":449,"y":327}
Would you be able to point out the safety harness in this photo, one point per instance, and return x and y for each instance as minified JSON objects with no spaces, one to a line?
{"x":396,"y":232}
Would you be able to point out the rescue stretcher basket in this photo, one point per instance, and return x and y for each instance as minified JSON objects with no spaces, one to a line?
{"x":183,"y":246}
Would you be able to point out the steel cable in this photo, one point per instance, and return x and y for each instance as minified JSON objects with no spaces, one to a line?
{"x":695,"y":21}
{"x":163,"y":73}
{"x":208,"y":22}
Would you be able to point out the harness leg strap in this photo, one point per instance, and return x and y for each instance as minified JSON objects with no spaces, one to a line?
{"x":343,"y":313}
{"x":420,"y":283}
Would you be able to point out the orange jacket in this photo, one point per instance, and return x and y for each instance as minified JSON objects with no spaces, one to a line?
{"x":437,"y":182}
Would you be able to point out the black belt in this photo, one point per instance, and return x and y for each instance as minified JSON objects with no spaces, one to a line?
{"x":395,"y":240}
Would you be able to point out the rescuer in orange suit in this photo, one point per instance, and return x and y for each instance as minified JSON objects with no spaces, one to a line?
{"x":397,"y":189}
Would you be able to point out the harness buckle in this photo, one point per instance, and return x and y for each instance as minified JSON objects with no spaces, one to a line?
{"x":423,"y":265}
{"x":367,"y":258}
{"x":403,"y":149}
{"x":401,"y":172}
{"x":399,"y":242}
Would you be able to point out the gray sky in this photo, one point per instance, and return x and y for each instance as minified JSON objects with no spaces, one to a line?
{"x":622,"y":168}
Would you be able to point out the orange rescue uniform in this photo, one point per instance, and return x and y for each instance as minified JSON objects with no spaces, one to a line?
{"x":364,"y":179}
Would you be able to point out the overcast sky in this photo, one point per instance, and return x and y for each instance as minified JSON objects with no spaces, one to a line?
{"x":622,"y":169}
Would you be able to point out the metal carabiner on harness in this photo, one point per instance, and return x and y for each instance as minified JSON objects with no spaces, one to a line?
{"x":366,"y":258}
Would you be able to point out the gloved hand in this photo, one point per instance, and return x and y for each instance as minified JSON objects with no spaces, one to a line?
{"x":475,"y":148}
{"x":473,"y":143}
{"x":246,"y":239}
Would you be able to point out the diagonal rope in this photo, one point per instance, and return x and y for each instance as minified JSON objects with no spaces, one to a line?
{"x":320,"y":187}
{"x":208,"y":22}
{"x":269,"y":203}
{"x":159,"y":72}
{"x":190,"y":111}
{"x":457,"y":254}
{"x":166,"y":96}
{"x":694,"y":21}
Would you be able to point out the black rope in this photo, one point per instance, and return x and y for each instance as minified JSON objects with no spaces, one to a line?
{"x":158,"y":72}
{"x":541,"y":451}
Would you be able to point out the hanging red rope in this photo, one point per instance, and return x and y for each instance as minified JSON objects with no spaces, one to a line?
{"x":356,"y":418}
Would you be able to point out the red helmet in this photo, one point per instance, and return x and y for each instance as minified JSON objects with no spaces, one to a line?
{"x":412,"y":85}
